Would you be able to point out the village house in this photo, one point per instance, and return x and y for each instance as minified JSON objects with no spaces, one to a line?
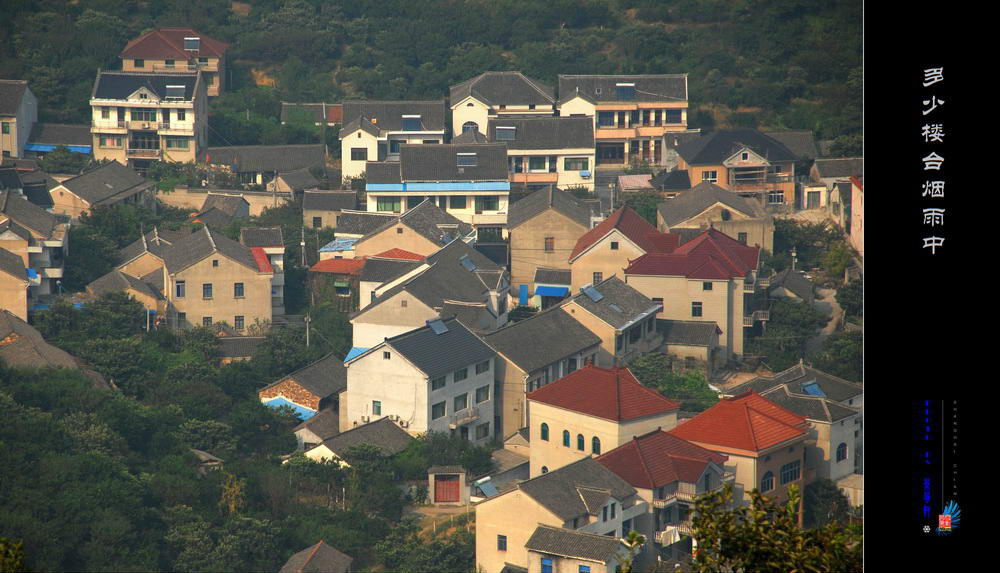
{"x":319,"y":557}
{"x":532,"y":353}
{"x":495,"y":94}
{"x":337,"y":281}
{"x":309,"y":389}
{"x":591,"y":411}
{"x":631,"y":114}
{"x":24,"y":177}
{"x":375,"y":130}
{"x":383,"y":433}
{"x":609,"y":247}
{"x":138,"y":118}
{"x":624,"y":319}
{"x":117,"y":281}
{"x":317,"y":429}
{"x":219,"y":210}
{"x":547,"y":150}
{"x":793,"y":284}
{"x":13,"y":284}
{"x":386,"y":268}
{"x":583,"y":496}
{"x":668,"y":472}
{"x":107,"y":184}
{"x":435,"y":378}
{"x":328,"y":114}
{"x":238,"y":348}
{"x":178,"y":51}
{"x":708,"y":205}
{"x":557,"y":549}
{"x":46,"y":137}
{"x":145,"y":255}
{"x":422,"y":229}
{"x":543,"y":228}
{"x":765,"y":443}
{"x":296,"y":181}
{"x":18,"y":114}
{"x":712,"y":278}
{"x":468,"y":181}
{"x":691,"y":343}
{"x":267,"y":242}
{"x":22,"y":346}
{"x":322,"y":209}
{"x":38,"y":238}
{"x":261,"y":164}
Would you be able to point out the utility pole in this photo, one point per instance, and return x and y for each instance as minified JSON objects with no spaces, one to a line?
{"x":302,"y":244}
{"x":307,"y":320}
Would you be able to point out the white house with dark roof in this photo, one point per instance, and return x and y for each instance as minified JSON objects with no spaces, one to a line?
{"x":491,"y":94}
{"x":261,"y":164}
{"x":375,"y":130}
{"x":383,"y":433}
{"x":546,"y":150}
{"x":439,"y":377}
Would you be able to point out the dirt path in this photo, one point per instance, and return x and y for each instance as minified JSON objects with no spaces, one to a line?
{"x":826,"y":302}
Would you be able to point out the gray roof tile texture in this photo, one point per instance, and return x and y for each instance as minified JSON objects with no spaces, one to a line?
{"x":427,"y":219}
{"x":385,"y":270}
{"x":796,"y":282}
{"x":440,"y":354}
{"x":539,"y":201}
{"x":319,"y":558}
{"x":12,"y":264}
{"x":27,"y":214}
{"x":388,"y":115}
{"x":261,"y":237}
{"x":558,"y":491}
{"x":324,"y":378}
{"x":300,"y":179}
{"x":569,"y":543}
{"x":120,"y":85}
{"x":61,"y":134}
{"x":538,"y":341}
{"x":700,"y":197}
{"x":632,"y":303}
{"x":835,"y":388}
{"x":202,"y":243}
{"x":504,"y":88}
{"x":716,"y":147}
{"x":811,"y":407}
{"x":261,"y":158}
{"x":329,"y":200}
{"x":440,"y":163}
{"x":654,"y":87}
{"x":840,"y":166}
{"x":553,"y":276}
{"x":383,"y":433}
{"x":687,"y":332}
{"x":238,"y":346}
{"x":11,"y":93}
{"x":545,"y":132}
{"x":325,"y":424}
{"x":117,"y":281}
{"x":361,"y":223}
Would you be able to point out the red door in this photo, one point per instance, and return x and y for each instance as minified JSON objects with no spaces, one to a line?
{"x":446,"y":489}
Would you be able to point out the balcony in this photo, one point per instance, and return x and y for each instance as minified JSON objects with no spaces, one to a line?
{"x":463,"y":417}
{"x":186,"y":67}
{"x":142,"y":125}
{"x":52,"y":272}
{"x":152,"y":153}
{"x":108,"y":126}
{"x":756,"y":315}
{"x":672,"y":533}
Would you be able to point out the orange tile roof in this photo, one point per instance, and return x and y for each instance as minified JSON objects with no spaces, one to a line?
{"x":746,"y":422}
{"x":710,"y":255}
{"x":612,"y":394}
{"x":400,"y":254}
{"x":339,"y":266}
{"x":633,"y":226}
{"x":262,"y":260}
{"x":659,"y":458}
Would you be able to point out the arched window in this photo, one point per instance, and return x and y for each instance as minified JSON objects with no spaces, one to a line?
{"x":470,"y":126}
{"x":566,"y":438}
{"x":595,"y":446}
{"x":767,"y":482}
{"x":841,"y":452}
{"x":579,"y":442}
{"x":545,"y":432}
{"x":545,"y":469}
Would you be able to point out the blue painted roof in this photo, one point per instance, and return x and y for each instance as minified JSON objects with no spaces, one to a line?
{"x":551,"y":290}
{"x":301,"y":411}
{"x":46,"y":148}
{"x":32,"y":273}
{"x":338,"y":245}
{"x":813,"y":389}
{"x":355,"y":351}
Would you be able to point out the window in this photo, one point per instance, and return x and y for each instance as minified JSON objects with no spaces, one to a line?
{"x":412,"y":123}
{"x":110,"y":141}
{"x":842,"y":451}
{"x":377,"y":407}
{"x":710,"y":176}
{"x":437,"y":383}
{"x":634,"y":334}
{"x":181,"y":115}
{"x":238,"y":322}
{"x":744,"y":156}
{"x":483,"y":431}
{"x":139,"y":63}
{"x":105,"y":114}
{"x":491,"y":203}
{"x":179,"y":289}
{"x":470,"y":126}
{"x":790,"y":472}
{"x":584,"y":569}
{"x":741,"y":237}
{"x":203,"y":61}
{"x":674,"y":116}
{"x":238,"y":290}
{"x":386,"y":355}
{"x":430,"y":141}
{"x":206,"y":321}
{"x":387,"y":204}
{"x":168,"y":63}
{"x":545,"y":432}
{"x":767,"y":482}
{"x":576,"y":163}
{"x":625,"y":91}
{"x":550,"y":244}
{"x":206,"y":290}
{"x":178,"y":143}
{"x":776,"y":197}
{"x":614,"y":506}
{"x":605,"y":119}
{"x":394,"y":145}
{"x":461,"y":374}
{"x":614,"y":245}
{"x":456,"y":202}
{"x":501,"y":543}
{"x":695,"y":309}
{"x":482,"y":394}
{"x":595,"y":447}
{"x":546,"y":565}
{"x":215,"y":262}
{"x":193,"y":44}
{"x":505,"y":133}
{"x":6,"y":127}
{"x":536,"y":163}
{"x":598,"y":277}
{"x":359,"y":154}
{"x":461,"y":402}
{"x":707,"y":285}
{"x":658,"y":301}
{"x":466,"y":159}
{"x":483,"y":366}
{"x":437,"y":411}
{"x":604,"y":513}
{"x":181,"y":319}
{"x":317,"y":222}
{"x":571,"y":365}
{"x":566,"y":438}
{"x":402,"y":303}
{"x":139,"y":114}
{"x":619,"y":342}
{"x":579,"y":442}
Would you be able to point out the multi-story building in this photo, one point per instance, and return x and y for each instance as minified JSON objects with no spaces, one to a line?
{"x":475,"y":101}
{"x":423,"y":230}
{"x":18,"y":114}
{"x":36,"y":236}
{"x":138,"y":118}
{"x":744,"y":161}
{"x":711,"y":278}
{"x":375,"y":130}
{"x":765,"y":443}
{"x":178,"y":51}
{"x":589,"y":412}
{"x":631,"y":114}
{"x":267,"y":243}
{"x":468,"y":181}
{"x":544,"y":151}
{"x":708,"y":205}
{"x":437,"y":378}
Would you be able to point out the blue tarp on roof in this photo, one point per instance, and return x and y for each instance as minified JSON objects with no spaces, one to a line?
{"x":813,"y":389}
{"x":559,"y":291}
{"x":32,"y":273}
{"x":522,"y":295}
{"x":355,"y":351}
{"x":488,"y":489}
{"x":337,"y":245}
{"x":46,"y":148}
{"x":302,"y":412}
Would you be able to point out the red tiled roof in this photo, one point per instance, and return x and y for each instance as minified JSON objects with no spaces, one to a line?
{"x":612,"y":394}
{"x":710,"y":255}
{"x":633,"y":226}
{"x":335,"y":113}
{"x":659,"y":458}
{"x":169,"y":42}
{"x":399,"y":254}
{"x":339,"y":266}
{"x":747,"y":422}
{"x":262,"y":260}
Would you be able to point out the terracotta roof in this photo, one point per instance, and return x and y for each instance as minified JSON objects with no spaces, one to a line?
{"x":262,"y":260}
{"x":397,"y":253}
{"x":710,"y":255}
{"x":633,"y":226}
{"x":169,"y":42}
{"x":612,"y":394}
{"x":341,"y":266}
{"x":659,"y":458}
{"x":747,"y":422}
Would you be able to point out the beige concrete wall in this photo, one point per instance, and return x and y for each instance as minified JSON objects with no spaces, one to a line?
{"x":14,"y":243}
{"x":649,"y":341}
{"x":857,"y":235}
{"x":20,"y":125}
{"x":65,"y":202}
{"x":469,"y":109}
{"x":601,"y":258}
{"x":390,"y":318}
{"x":328,"y":218}
{"x":750,"y":467}
{"x":567,"y":563}
{"x":514,"y":515}
{"x":466,"y":215}
{"x":760,"y":231}
{"x":399,"y":236}
{"x":142,"y":266}
{"x":578,"y":106}
{"x":14,"y":295}
{"x":527,"y":245}
{"x":183,"y":198}
{"x":512,"y":379}
{"x":564,"y":178}
{"x":356,"y":139}
{"x":223,"y":306}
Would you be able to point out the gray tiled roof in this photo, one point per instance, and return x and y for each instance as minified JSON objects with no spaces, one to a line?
{"x":430,"y":221}
{"x":544,"y":199}
{"x":631,"y":304}
{"x":18,"y":230}
{"x":117,"y":281}
{"x":329,"y":200}
{"x":542,"y":339}
{"x":153,"y":242}
{"x":324,"y":377}
{"x":105,"y":182}
{"x":440,"y":163}
{"x":385,"y":270}
{"x":12,"y":264}
{"x":795,"y":377}
{"x":687,"y":332}
{"x":29,"y":348}
{"x":475,"y":316}
{"x":300,"y":179}
{"x":261,"y":237}
{"x":382,"y":433}
{"x":553,"y":276}
{"x":10,"y":179}
{"x":840,"y":167}
{"x":716,"y":147}
{"x":239,"y":346}
{"x":811,"y":407}
{"x":673,"y":180}
{"x":319,"y":558}
{"x":558,"y":490}
{"x":11,"y":93}
{"x":27,"y":214}
{"x":439,"y":354}
{"x":266,"y":158}
{"x":388,"y":115}
{"x":694,"y":201}
{"x":214,"y":218}
{"x":325,"y":424}
{"x":801,"y":143}
{"x":361,"y":222}
{"x":120,"y":85}
{"x":382,"y":172}
{"x":654,"y":87}
{"x":315,"y":111}
{"x":545,"y":132}
{"x":794,"y":281}
{"x":61,"y":134}
{"x":470,"y":136}
{"x":576,"y":544}
{"x":228,"y":204}
{"x":504,"y":88}
{"x":202,"y":243}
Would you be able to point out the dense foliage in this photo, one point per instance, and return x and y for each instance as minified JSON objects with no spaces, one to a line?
{"x":689,"y":388}
{"x":850,"y":297}
{"x":843,"y":355}
{"x":783,"y":340}
{"x":816,"y":245}
{"x":824,"y":503}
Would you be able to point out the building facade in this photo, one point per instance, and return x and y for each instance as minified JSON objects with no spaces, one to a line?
{"x":494,"y":94}
{"x":18,"y":114}
{"x":375,"y":130}
{"x":178,"y":51}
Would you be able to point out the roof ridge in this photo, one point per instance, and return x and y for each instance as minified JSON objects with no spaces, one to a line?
{"x":211,"y":239}
{"x":311,"y":555}
{"x":642,"y":460}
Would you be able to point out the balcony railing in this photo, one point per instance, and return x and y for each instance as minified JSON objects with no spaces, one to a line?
{"x":463,"y":417}
{"x":672,"y":533}
{"x":143,"y":152}
{"x":756,"y":315}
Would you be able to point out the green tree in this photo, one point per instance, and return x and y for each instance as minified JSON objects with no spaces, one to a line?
{"x":633,"y":541}
{"x":850,"y":297}
{"x":843,"y":355}
{"x":11,"y":556}
{"x":62,"y":160}
{"x":689,"y":388}
{"x":208,"y":435}
{"x":824,"y":503}
{"x":642,"y":202}
{"x":783,"y":342}
{"x":837,"y":259}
